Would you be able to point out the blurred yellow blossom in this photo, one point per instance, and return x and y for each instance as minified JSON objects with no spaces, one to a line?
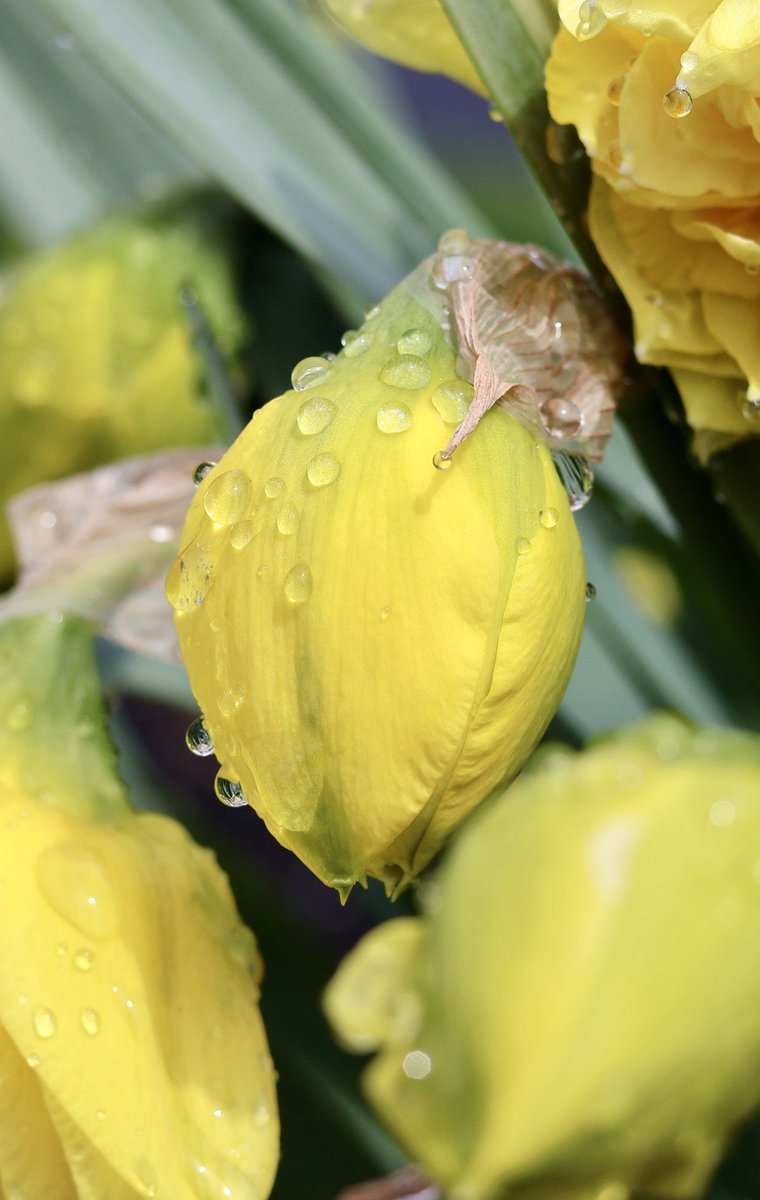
{"x":663,"y":94}
{"x":578,"y":1014}
{"x":417,"y":33}
{"x":95,"y":348}
{"x":375,"y":644}
{"x":133,"y":1057}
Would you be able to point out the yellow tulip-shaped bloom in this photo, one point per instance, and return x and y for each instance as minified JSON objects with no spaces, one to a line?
{"x":95,"y":349}
{"x":132,"y":1054}
{"x":375,"y":644}
{"x":578,"y":1015}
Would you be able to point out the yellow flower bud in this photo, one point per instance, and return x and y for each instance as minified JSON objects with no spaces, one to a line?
{"x":96,"y":353}
{"x":376,"y":643}
{"x":578,"y":1014}
{"x":132,"y":1054}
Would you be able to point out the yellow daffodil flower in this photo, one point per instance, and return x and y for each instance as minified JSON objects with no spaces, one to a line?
{"x":663,"y":96}
{"x":95,"y":350}
{"x":578,"y":1014}
{"x":416,"y":33}
{"x":132,"y":1054}
{"x":376,"y":644}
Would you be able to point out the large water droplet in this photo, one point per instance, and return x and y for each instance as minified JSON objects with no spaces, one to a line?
{"x":83,"y":958}
{"x":414,"y":341}
{"x":273,"y":487}
{"x":561,"y":418}
{"x":393,"y":418}
{"x":323,"y":469}
{"x":227,"y":499}
{"x":241,"y":533}
{"x":229,"y":791}
{"x":677,"y":102}
{"x":298,"y":584}
{"x":230,"y":699}
{"x":198,"y":738}
{"x":201,"y":471}
{"x":315,"y":415}
{"x":406,"y":371}
{"x":452,"y":399}
{"x":548,"y":517}
{"x":577,"y":478}
{"x":591,"y":20}
{"x":287,"y":520}
{"x":190,"y":577}
{"x":355,"y":343}
{"x":452,"y":268}
{"x":90,"y":1019}
{"x":77,"y":887}
{"x":310,"y":371}
{"x":45,"y":1022}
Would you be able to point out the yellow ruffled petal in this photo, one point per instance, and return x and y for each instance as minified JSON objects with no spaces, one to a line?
{"x":725,"y":51}
{"x":374,"y":643}
{"x":542,"y":1060}
{"x":416,"y":33}
{"x":636,"y":246}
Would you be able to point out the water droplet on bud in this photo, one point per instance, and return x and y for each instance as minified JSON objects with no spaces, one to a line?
{"x":310,"y":371}
{"x":229,"y":791}
{"x":440,"y":462}
{"x":394,"y":418}
{"x":201,"y":471}
{"x":561,"y":418}
{"x":323,"y":469}
{"x":315,"y":415}
{"x":406,"y":371}
{"x":298,"y":584}
{"x":199,"y":740}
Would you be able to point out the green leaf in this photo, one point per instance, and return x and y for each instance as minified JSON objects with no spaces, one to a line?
{"x":54,"y":742}
{"x":239,"y":103}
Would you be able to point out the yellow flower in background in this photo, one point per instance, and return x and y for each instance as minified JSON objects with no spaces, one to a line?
{"x":664,"y":98}
{"x":376,"y":644}
{"x":132,"y":1053}
{"x":417,"y":33}
{"x":578,"y":1014}
{"x":95,"y":356}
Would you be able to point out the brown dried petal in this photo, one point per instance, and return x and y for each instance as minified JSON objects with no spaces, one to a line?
{"x":100,"y":544}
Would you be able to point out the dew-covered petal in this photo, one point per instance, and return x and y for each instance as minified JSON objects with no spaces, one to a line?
{"x":140,"y":1002}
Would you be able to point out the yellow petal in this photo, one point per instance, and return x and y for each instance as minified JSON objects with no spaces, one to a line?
{"x":32,"y":1162}
{"x":712,"y":404}
{"x":416,"y":33}
{"x":725,"y":50}
{"x":544,"y":1061}
{"x":374,"y":643}
{"x":130,"y":987}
